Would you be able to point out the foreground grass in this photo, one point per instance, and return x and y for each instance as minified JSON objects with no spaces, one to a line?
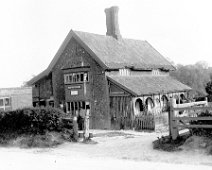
{"x":169,"y":145}
{"x":49,"y":139}
{"x":186,"y":142}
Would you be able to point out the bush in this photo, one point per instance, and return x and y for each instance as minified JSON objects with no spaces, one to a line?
{"x":31,"y":120}
{"x":169,"y":145}
{"x":33,"y":126}
{"x":41,"y":141}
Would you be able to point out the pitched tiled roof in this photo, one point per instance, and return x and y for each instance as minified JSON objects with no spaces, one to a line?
{"x":145,"y":85}
{"x":38,"y":77}
{"x":111,"y":53}
{"x":124,"y":52}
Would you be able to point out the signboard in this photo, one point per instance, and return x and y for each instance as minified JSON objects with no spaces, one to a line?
{"x":74,"y":87}
{"x":73,"y":93}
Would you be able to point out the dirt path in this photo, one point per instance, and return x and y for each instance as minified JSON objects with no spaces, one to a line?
{"x":20,"y":160}
{"x":128,"y":150}
{"x":133,"y":146}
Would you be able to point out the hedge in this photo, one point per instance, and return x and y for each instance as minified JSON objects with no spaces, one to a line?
{"x":31,"y":120}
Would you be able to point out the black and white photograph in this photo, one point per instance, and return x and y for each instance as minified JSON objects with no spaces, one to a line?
{"x":106,"y":84}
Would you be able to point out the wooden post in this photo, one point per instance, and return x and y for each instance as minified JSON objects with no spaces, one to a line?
{"x":67,"y":111}
{"x":206,"y":99}
{"x":173,"y":129}
{"x":75,"y":129}
{"x":86,"y":124}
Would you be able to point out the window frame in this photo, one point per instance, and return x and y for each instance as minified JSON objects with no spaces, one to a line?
{"x":2,"y":102}
{"x":5,"y":104}
{"x":76,"y":77}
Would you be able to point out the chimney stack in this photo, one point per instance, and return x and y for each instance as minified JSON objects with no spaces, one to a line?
{"x":112,"y":22}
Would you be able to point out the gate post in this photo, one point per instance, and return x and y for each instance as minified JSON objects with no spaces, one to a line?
{"x":75,"y":129}
{"x":86,"y":125}
{"x":173,"y":129}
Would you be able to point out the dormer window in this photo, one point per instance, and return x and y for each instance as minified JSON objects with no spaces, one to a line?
{"x":124,"y":72}
{"x":155,"y":72}
{"x":76,"y":78}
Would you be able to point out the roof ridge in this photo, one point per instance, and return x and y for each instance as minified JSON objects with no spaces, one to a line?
{"x":76,"y":31}
{"x":123,"y":38}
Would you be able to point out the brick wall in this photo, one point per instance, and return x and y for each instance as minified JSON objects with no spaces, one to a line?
{"x":98,"y":85}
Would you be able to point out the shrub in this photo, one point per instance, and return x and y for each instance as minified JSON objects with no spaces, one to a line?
{"x":47,"y":140}
{"x":36,"y":127}
{"x":31,"y":120}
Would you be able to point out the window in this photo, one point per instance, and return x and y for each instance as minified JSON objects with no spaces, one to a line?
{"x":85,"y":77}
{"x":81,"y":77}
{"x":70,"y":78}
{"x":124,"y":72}
{"x":1,"y":102}
{"x":155,"y":72}
{"x":75,"y":107}
{"x":75,"y":78}
{"x":7,"y":101}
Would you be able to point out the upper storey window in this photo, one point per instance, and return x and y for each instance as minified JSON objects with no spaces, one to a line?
{"x":76,"y":77}
{"x":124,"y":72}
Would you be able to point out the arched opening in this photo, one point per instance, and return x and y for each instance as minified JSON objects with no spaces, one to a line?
{"x":182,"y":98}
{"x":149,"y":104}
{"x":177,"y":99}
{"x":139,"y":107}
{"x":164,"y":102}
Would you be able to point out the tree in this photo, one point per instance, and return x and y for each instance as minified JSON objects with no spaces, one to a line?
{"x":196,"y":76}
{"x":208,"y":89}
{"x":202,"y":64}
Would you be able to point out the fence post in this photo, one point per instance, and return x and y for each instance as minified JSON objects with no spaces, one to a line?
{"x":173,"y":129}
{"x":206,"y":99}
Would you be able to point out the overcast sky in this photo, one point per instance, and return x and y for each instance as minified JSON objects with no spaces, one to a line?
{"x":32,"y":30}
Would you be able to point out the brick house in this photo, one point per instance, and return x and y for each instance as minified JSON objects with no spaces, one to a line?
{"x":114,"y":77}
{"x":15,"y":98}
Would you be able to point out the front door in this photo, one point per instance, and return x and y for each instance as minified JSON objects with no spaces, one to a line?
{"x":78,"y":109}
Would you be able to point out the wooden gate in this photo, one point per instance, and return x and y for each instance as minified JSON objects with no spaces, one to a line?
{"x":145,"y":122}
{"x":179,"y":120}
{"x":121,"y":112}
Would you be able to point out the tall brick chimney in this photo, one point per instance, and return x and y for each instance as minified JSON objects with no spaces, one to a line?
{"x":112,"y":22}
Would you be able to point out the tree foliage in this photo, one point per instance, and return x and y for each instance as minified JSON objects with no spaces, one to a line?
{"x":196,"y":76}
{"x":208,"y":87}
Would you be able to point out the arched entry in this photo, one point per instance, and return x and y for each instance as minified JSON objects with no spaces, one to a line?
{"x":139,"y":107}
{"x":149,"y":104}
{"x":177,"y":99}
{"x":182,"y":98}
{"x":164,"y":102}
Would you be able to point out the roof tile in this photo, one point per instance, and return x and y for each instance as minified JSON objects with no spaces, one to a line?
{"x":145,"y":85}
